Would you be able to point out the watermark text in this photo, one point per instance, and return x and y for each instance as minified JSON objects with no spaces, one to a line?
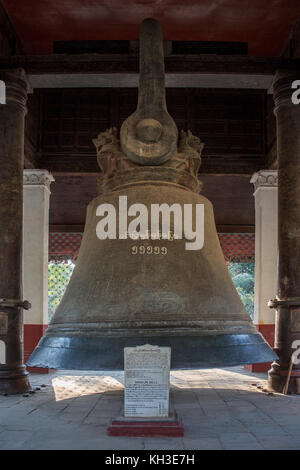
{"x":187,"y":220}
{"x":2,"y":92}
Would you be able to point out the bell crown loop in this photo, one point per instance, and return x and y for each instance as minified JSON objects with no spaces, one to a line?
{"x":149,"y":136}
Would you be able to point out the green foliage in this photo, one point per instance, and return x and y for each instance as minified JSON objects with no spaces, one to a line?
{"x":242,"y":275}
{"x":59,"y":275}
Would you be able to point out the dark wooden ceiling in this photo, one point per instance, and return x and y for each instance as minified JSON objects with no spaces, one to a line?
{"x":231,"y":123}
{"x":264,"y":25}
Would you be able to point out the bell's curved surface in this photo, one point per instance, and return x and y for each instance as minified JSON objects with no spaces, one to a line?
{"x":126,"y":292}
{"x":123,"y":295}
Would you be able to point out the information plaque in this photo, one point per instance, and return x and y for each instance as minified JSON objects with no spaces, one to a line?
{"x":147,"y":381}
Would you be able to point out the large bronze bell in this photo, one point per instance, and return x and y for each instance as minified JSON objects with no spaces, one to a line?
{"x":126,"y":291}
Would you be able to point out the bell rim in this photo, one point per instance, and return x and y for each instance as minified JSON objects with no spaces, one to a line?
{"x":203,"y":352}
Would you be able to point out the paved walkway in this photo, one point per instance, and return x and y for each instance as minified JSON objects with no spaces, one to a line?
{"x":221,"y":409}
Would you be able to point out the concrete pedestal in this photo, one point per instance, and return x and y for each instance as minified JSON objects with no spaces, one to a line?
{"x":171,"y":426}
{"x":162,"y":427}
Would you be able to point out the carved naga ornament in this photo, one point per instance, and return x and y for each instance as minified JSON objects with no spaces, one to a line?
{"x":149,"y":135}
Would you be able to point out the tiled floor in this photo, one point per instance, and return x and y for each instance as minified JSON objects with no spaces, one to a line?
{"x":220,"y":408}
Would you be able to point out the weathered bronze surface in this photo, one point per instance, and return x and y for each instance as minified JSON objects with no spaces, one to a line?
{"x":127,"y":292}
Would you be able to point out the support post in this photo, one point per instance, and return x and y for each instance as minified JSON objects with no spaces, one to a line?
{"x":287,"y":303}
{"x":266,"y":242}
{"x":13,"y":376}
{"x":35,"y":259}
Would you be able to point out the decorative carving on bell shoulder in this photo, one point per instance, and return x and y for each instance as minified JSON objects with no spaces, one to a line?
{"x":265,"y":178}
{"x":110,"y":157}
{"x":37,"y":178}
{"x":118,"y":170}
{"x":188,"y":156}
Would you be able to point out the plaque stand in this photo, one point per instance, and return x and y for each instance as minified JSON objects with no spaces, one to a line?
{"x":171,"y":426}
{"x":147,"y":411}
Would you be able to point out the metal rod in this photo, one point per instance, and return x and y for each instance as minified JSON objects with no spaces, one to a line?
{"x":152,"y":67}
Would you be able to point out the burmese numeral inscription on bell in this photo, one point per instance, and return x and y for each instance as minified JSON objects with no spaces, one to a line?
{"x":147,"y":381}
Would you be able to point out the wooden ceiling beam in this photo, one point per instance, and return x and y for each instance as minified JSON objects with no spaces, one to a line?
{"x":128,"y":63}
{"x":73,"y":166}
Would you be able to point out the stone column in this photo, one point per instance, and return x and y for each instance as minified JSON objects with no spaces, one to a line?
{"x":35,"y":258}
{"x":266,"y":242}
{"x":13,"y":376}
{"x":287,"y":303}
